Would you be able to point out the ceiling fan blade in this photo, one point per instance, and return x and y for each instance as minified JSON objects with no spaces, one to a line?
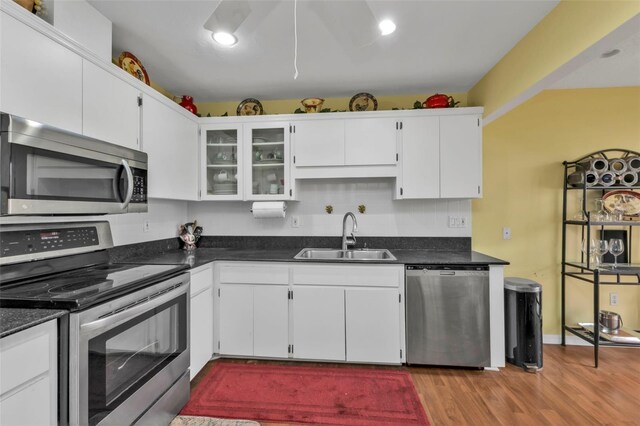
{"x":239,"y":16}
{"x":228,"y":16}
{"x":351,"y":23}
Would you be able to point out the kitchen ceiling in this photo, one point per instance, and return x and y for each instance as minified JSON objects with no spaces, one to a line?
{"x":442,"y":46}
{"x":621,"y":70}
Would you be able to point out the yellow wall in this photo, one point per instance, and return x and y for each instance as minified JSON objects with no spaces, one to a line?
{"x":288,"y":106}
{"x":523,"y":173}
{"x":569,"y":29}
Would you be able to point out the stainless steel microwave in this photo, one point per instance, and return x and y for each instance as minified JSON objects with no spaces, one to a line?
{"x":48,"y":171}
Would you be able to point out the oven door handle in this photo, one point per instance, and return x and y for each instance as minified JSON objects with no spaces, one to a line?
{"x":117,"y":317}
{"x":129,"y":194}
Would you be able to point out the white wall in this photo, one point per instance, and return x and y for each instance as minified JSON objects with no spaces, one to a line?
{"x":164,"y":218}
{"x":383,"y":217}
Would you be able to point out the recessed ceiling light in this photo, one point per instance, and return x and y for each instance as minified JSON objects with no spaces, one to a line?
{"x":610,"y":53}
{"x":386,"y":27}
{"x":224,"y":38}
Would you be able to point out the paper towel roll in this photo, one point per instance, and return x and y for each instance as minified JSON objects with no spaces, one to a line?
{"x":269,"y":209}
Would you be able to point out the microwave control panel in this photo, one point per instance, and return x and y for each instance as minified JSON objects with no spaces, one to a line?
{"x":139,"y":186}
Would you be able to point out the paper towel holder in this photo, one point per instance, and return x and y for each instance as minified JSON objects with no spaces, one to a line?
{"x":251,"y":208}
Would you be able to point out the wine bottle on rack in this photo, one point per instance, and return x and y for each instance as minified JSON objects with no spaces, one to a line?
{"x":607,"y":179}
{"x":575,"y":179}
{"x":629,"y":178}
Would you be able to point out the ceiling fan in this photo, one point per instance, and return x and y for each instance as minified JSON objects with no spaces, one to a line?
{"x":351,"y":22}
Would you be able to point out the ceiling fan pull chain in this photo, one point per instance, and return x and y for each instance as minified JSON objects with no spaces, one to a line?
{"x":295,"y":38}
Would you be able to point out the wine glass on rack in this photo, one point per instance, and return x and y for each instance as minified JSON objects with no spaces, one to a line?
{"x":602,"y":248}
{"x":600,"y":215}
{"x":616,"y":248}
{"x":588,"y":249}
{"x":580,"y":215}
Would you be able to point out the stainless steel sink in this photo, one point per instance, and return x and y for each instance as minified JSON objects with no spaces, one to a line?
{"x":346,"y":255}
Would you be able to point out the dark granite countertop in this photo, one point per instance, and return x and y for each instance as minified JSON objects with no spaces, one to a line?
{"x":13,"y":320}
{"x":202,"y":256}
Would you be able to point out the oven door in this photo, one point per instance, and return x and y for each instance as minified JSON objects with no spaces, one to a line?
{"x":126,"y":354}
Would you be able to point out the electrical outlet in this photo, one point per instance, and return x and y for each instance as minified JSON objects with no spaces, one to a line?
{"x":457,"y":222}
{"x":146,"y":226}
{"x":506,"y":233}
{"x":295,"y":221}
{"x":613,"y":299}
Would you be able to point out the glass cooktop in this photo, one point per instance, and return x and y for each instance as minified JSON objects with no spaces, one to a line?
{"x":83,"y":287}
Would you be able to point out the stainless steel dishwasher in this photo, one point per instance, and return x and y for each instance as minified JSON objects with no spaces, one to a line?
{"x":447,"y":309}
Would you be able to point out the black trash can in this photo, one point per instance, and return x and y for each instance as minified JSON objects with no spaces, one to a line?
{"x":523,"y":323}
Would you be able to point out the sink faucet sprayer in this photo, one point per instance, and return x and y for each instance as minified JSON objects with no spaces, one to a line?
{"x":348,"y":241}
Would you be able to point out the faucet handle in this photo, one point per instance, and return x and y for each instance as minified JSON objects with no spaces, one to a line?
{"x":351,"y":241}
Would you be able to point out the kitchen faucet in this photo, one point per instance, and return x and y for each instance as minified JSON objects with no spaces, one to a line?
{"x":348,"y":240}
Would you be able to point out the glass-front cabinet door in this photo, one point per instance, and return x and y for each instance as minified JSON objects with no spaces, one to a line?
{"x":222,"y":162}
{"x":268,"y":157}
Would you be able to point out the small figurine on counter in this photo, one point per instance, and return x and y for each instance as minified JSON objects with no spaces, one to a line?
{"x":190,"y":234}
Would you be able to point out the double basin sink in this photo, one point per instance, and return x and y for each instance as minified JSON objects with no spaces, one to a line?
{"x":346,"y":255}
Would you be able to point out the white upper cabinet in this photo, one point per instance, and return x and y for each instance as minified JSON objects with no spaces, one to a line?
{"x":110,"y":107}
{"x":221,"y":162}
{"x":371,"y":141}
{"x":419,"y":174}
{"x":39,"y":79}
{"x":440,"y":157}
{"x":460,"y":156}
{"x":318,"y":143}
{"x":267,"y":161}
{"x":171,"y":141}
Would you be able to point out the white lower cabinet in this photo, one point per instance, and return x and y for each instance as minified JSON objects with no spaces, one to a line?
{"x":201,"y":318}
{"x":311,"y":311}
{"x":270,"y":321}
{"x":254,"y":320}
{"x":373,"y":325}
{"x":29,"y":371}
{"x":236,"y":319}
{"x":253,"y":300}
{"x":318,"y":323}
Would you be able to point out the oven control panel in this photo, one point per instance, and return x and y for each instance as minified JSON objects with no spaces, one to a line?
{"x":15,"y":243}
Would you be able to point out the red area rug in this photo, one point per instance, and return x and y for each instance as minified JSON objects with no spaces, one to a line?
{"x":316,"y":395}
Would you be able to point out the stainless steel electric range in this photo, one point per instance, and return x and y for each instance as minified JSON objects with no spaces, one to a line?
{"x":124,"y":351}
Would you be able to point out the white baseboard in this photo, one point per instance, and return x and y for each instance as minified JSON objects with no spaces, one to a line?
{"x":556,"y":339}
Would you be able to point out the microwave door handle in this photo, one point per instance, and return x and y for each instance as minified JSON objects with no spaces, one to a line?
{"x":129,"y":194}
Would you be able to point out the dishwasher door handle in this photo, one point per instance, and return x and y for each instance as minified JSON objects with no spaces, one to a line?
{"x":447,"y":272}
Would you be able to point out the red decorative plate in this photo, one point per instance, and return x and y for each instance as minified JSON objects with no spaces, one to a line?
{"x":623,"y":199}
{"x":133,"y":66}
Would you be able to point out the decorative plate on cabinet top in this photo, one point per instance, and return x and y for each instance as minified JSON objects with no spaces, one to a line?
{"x":363,"y":102}
{"x":128,"y":62}
{"x":623,"y":199}
{"x":250,"y":106}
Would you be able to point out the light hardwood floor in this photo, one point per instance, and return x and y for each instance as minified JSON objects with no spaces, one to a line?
{"x":568,"y":391}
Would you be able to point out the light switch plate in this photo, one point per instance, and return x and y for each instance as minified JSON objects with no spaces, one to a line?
{"x":506,"y":233}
